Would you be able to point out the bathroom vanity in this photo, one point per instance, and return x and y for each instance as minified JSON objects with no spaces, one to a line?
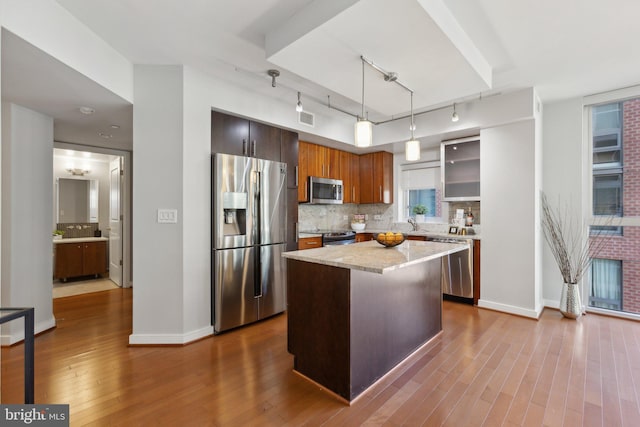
{"x":83,"y":256}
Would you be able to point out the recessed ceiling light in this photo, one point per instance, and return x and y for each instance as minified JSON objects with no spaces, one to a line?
{"x":87,"y":110}
{"x":105,"y":135}
{"x":115,"y":127}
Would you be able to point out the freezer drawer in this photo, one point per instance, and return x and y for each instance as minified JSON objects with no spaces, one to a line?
{"x":273,"y":298}
{"x":235,"y":303}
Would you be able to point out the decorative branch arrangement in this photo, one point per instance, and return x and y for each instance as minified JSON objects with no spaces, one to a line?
{"x":565,"y":238}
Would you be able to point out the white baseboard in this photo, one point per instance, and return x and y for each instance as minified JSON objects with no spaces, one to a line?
{"x":511,"y":309}
{"x":18,"y":335}
{"x":168,"y":339}
{"x":552,"y":303}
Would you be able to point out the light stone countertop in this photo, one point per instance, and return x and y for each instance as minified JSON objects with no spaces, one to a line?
{"x":80,"y":240}
{"x":373,"y":257}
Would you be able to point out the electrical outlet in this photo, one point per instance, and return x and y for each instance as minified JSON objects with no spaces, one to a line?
{"x":377,"y":217}
{"x":345,"y":217}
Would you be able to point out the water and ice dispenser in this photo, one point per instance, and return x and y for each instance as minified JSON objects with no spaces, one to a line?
{"x":234,"y":206}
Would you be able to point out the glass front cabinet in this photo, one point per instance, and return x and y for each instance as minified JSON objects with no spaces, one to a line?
{"x":460,"y":161}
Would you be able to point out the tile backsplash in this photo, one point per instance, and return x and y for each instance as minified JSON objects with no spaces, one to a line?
{"x":475,"y":209}
{"x":338,"y":217}
{"x":77,"y":229}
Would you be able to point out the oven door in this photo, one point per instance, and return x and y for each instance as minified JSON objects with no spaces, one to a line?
{"x":338,"y":242}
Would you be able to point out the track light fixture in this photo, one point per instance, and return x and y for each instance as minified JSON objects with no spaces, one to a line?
{"x":412,"y":147}
{"x":299,"y":104}
{"x":454,"y":116}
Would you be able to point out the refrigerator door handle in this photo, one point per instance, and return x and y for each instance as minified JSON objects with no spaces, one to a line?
{"x":257,"y":278}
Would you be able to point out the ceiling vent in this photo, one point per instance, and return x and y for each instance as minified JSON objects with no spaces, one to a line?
{"x":306,"y":118}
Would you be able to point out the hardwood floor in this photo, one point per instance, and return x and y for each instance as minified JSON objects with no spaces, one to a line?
{"x":488,"y":368}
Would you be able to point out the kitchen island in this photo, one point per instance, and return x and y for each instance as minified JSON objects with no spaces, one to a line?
{"x":354,"y":312}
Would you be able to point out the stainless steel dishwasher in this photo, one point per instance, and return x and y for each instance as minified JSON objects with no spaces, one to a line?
{"x":457,"y":271}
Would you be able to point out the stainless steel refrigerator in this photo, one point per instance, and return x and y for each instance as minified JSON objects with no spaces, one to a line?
{"x":249,"y":226}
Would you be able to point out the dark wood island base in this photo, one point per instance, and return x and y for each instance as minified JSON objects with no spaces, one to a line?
{"x":347,"y":328}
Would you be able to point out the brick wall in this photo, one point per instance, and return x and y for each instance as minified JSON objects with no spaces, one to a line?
{"x":627,"y":247}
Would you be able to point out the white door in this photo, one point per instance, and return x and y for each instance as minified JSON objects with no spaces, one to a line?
{"x":115,"y":222}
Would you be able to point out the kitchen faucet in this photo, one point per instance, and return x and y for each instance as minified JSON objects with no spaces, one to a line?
{"x":413,"y":223}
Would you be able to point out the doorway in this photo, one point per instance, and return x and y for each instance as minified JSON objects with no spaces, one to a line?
{"x":89,"y":218}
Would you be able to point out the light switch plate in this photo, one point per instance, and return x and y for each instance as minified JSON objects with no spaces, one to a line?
{"x":167,"y":216}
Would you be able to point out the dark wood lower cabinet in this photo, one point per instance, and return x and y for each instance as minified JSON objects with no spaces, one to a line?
{"x":80,"y":259}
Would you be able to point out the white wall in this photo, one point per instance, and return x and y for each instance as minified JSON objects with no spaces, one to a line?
{"x":27,"y":249}
{"x":50,"y":27}
{"x":196,"y":188}
{"x":509,"y":191}
{"x":158,"y":299}
{"x":562,"y":176}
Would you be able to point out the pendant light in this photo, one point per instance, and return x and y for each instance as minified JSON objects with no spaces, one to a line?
{"x":299,"y":104}
{"x":412,"y":147}
{"x":363,"y":128}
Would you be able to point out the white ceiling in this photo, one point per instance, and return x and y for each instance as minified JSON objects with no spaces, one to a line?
{"x":444,"y":50}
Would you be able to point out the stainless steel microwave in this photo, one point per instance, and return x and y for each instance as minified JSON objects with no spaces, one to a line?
{"x":325,"y":190}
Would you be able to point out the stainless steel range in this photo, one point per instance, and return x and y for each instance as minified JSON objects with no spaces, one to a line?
{"x":331,"y":238}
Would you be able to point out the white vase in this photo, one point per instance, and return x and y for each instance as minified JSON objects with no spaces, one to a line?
{"x":570,"y":302}
{"x":420,"y":218}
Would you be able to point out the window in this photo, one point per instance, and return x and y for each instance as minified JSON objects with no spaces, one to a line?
{"x":615,"y":193}
{"x":607,"y":163}
{"x":426,"y":197}
{"x":606,"y":284}
{"x":420,"y":185}
{"x":607,"y":194}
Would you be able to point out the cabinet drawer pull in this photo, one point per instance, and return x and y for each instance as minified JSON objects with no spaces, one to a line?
{"x":244,"y":147}
{"x":253,"y":148}
{"x":296,"y":176}
{"x":380,"y":191}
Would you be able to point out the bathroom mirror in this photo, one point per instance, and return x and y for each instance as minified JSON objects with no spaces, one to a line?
{"x":77,"y":200}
